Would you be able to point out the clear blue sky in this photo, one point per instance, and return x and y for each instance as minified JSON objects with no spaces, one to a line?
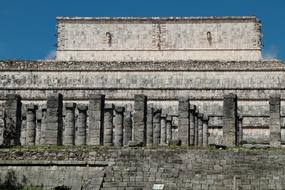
{"x":28,"y":26}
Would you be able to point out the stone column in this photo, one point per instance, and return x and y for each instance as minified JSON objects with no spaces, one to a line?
{"x":205,"y":130}
{"x":274,"y":120}
{"x":80,"y":138}
{"x":96,"y":119}
{"x":69,"y":129}
{"x":39,"y":117}
{"x":127,"y":128}
{"x":149,"y":125}
{"x":168,"y":129}
{"x":230,"y":120}
{"x":2,"y":123}
{"x":118,"y":124}
{"x":200,"y":129}
{"x":44,"y":124}
{"x":192,"y":124}
{"x":163,"y":129}
{"x":196,"y":133}
{"x":31,"y":124}
{"x":53,"y":133}
{"x":12,"y":128}
{"x":183,"y":120}
{"x":140,"y":107}
{"x":108,"y":124}
{"x":156,"y":126}
{"x":239,"y":131}
{"x":23,"y":127}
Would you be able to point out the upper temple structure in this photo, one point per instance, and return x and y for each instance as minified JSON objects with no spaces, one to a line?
{"x":158,"y":38}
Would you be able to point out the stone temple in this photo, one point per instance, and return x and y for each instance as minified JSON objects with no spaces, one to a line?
{"x":139,"y":82}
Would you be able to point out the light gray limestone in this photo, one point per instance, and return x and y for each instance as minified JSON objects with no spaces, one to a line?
{"x":192,"y":124}
{"x":81,"y":125}
{"x":200,"y":129}
{"x":69,"y":128}
{"x":127,"y":128}
{"x":205,"y":130}
{"x":183,"y":121}
{"x":44,"y":124}
{"x":140,"y":110}
{"x":163,"y":129}
{"x":31,"y":124}
{"x":118,"y":125}
{"x":23,"y":126}
{"x":54,"y":120}
{"x":96,"y":119}
{"x":156,"y":126}
{"x":230,"y":120}
{"x":108,"y":124}
{"x":39,"y":117}
{"x":149,"y":124}
{"x":196,"y":126}
{"x":274,"y":120}
{"x":168,"y":129}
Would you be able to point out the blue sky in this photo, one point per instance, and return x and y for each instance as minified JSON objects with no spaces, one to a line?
{"x":28,"y":26}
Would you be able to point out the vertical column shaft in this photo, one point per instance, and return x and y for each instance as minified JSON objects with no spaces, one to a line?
{"x":108,"y":124}
{"x":12,"y":127}
{"x":2,"y":123}
{"x":240,"y":130}
{"x":31,"y":124}
{"x":149,"y":125}
{"x":192,"y":124}
{"x":23,"y":127}
{"x":168,"y":129}
{"x":200,"y":129}
{"x":205,"y":130}
{"x":118,"y":124}
{"x":156,"y":126}
{"x":44,"y":124}
{"x":183,"y":120}
{"x":163,"y":129}
{"x":140,"y":107}
{"x":69,"y":130}
{"x":96,"y":119}
{"x":38,"y":126}
{"x":127,"y":128}
{"x":81,"y":125}
{"x":53,"y":132}
{"x":196,"y":133}
{"x":274,"y":120}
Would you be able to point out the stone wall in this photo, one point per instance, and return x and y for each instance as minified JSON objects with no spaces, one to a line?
{"x":170,"y":38}
{"x":133,"y":168}
{"x":204,"y":82}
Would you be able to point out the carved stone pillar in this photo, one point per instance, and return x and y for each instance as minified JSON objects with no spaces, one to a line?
{"x":31,"y":124}
{"x":192,"y":124}
{"x":69,"y":131}
{"x":108,"y":124}
{"x":274,"y":120}
{"x":149,"y":125}
{"x":80,"y":138}
{"x":44,"y":124}
{"x":38,"y":126}
{"x":96,"y":119}
{"x":163,"y":129}
{"x":183,"y":120}
{"x":127,"y":128}
{"x":196,"y":132}
{"x":205,"y":130}
{"x":156,"y":126}
{"x":200,"y":129}
{"x":23,"y":127}
{"x":168,"y":129}
{"x":140,"y":106}
{"x":118,"y":124}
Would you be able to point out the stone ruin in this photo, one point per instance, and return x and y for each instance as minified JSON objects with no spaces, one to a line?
{"x":106,"y":124}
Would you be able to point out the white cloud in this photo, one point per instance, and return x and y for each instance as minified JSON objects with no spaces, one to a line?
{"x":50,"y":55}
{"x":271,"y":53}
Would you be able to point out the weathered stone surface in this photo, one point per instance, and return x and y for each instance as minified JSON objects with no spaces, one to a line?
{"x":54,"y":120}
{"x":140,"y":110}
{"x":149,"y":124}
{"x":156,"y":126}
{"x":118,"y":125}
{"x":39,"y":117}
{"x":69,"y":129}
{"x":230,"y":120}
{"x":44,"y":124}
{"x":240,"y":129}
{"x":31,"y":124}
{"x":2,"y":123}
{"x":168,"y":129}
{"x":12,"y":128}
{"x":200,"y":129}
{"x":163,"y":129}
{"x":108,"y":124}
{"x":23,"y":126}
{"x":81,"y":125}
{"x":192,"y":124}
{"x":196,"y":123}
{"x":274,"y":120}
{"x":127,"y":128}
{"x":96,"y":119}
{"x":205,"y":134}
{"x":183,"y":121}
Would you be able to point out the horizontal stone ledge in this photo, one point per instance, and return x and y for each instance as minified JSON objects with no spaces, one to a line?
{"x":52,"y":163}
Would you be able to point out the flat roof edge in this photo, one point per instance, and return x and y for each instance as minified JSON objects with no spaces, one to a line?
{"x":62,"y":18}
